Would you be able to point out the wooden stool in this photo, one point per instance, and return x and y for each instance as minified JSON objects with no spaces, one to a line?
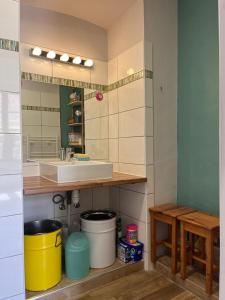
{"x":167,"y":214}
{"x":205,"y":226}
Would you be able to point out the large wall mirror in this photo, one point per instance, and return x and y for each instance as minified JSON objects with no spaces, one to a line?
{"x":56,"y":116}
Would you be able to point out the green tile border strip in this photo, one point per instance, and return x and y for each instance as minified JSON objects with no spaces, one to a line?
{"x":9,"y":45}
{"x":129,"y":79}
{"x":40,"y":108}
{"x":92,"y":86}
{"x":63,"y":81}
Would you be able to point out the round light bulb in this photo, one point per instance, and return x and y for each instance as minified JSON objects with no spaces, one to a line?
{"x":77,"y":60}
{"x":88,"y":63}
{"x":37,"y":51}
{"x":65,"y":57}
{"x":51,"y":54}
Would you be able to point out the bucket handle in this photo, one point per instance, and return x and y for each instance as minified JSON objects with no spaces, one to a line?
{"x":59,"y":234}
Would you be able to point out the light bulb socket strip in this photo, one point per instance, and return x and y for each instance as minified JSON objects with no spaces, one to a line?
{"x":43,"y":55}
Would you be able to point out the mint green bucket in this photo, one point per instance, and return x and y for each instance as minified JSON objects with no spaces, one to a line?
{"x":77,"y":256}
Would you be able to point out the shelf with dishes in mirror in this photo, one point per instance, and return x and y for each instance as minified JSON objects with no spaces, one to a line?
{"x":75,"y":124}
{"x":75,"y":102}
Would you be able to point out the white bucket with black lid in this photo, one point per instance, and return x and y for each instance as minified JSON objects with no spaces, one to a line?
{"x":100,"y":228}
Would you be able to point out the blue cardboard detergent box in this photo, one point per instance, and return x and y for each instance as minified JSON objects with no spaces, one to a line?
{"x":130,"y":252}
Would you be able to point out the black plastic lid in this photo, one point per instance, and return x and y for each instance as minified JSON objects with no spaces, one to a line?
{"x":98,"y":215}
{"x":41,"y":227}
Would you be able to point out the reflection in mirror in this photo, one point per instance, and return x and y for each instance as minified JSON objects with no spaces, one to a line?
{"x":53,"y":117}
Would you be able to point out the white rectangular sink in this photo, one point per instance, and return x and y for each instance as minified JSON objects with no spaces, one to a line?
{"x":62,"y":172}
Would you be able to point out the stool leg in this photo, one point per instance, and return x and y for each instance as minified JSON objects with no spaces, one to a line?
{"x":183,"y":258}
{"x":209,"y":263}
{"x":174,"y":247}
{"x":191,"y":238}
{"x":153,"y":238}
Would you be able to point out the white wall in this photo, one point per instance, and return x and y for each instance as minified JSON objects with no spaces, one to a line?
{"x":222,"y":145}
{"x":62,"y":32}
{"x":160,"y":18}
{"x":126,"y":31}
{"x":11,"y":201}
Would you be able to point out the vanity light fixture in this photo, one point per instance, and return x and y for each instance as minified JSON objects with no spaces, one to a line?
{"x":65,"y":57}
{"x":89,"y":63}
{"x":36,"y":51}
{"x":51,"y":54}
{"x":61,"y":58}
{"x":77,"y":60}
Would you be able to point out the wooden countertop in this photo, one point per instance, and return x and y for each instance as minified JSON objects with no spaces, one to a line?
{"x":37,"y":185}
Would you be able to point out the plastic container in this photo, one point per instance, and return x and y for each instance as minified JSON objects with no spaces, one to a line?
{"x":132,"y":233}
{"x":43,"y":262}
{"x":77,"y":256}
{"x":100,"y":228}
{"x":130,"y":252}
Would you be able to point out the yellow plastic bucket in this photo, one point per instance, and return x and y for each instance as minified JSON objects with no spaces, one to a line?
{"x":43,"y":261}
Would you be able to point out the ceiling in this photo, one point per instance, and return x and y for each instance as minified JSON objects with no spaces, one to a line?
{"x":99,"y":12}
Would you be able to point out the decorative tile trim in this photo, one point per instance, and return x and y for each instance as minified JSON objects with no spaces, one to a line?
{"x":92,"y":86}
{"x":63,"y":81}
{"x":40,"y":108}
{"x":9,"y":45}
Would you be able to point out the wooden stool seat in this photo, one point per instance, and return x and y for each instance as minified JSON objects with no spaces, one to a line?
{"x":167,"y":214}
{"x":205,"y":226}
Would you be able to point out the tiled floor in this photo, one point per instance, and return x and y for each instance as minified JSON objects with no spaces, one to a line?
{"x":139,"y":286}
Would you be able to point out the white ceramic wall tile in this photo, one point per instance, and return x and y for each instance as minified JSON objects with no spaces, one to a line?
{"x":132,"y":123}
{"x":10,"y":112}
{"x":50,"y":131}
{"x":132,"y":150}
{"x":131,"y":60}
{"x":10,"y":154}
{"x":113,"y":150}
{"x":113,"y":102}
{"x":12,"y":235}
{"x":11,"y":276}
{"x":113,"y":126}
{"x":99,"y":72}
{"x":93,"y":129}
{"x":9,"y":20}
{"x":97,"y":149}
{"x":148,"y":55}
{"x":149,"y":151}
{"x":114,"y":199}
{"x":94,"y":108}
{"x":32,"y":130}
{"x":149,"y":121}
{"x":135,"y":204}
{"x":132,"y":95}
{"x":9,"y":71}
{"x":149,"y":92}
{"x":31,"y":117}
{"x":113,"y":70}
{"x":50,"y":118}
{"x":30,"y":93}
{"x":38,"y":207}
{"x":11,"y":201}
{"x":71,"y":72}
{"x":33,"y":64}
{"x":50,"y":98}
{"x":132,"y":169}
{"x":101,"y":198}
{"x":91,"y":109}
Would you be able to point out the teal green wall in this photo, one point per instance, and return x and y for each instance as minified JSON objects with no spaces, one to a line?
{"x":198,"y":104}
{"x":66,"y":111}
